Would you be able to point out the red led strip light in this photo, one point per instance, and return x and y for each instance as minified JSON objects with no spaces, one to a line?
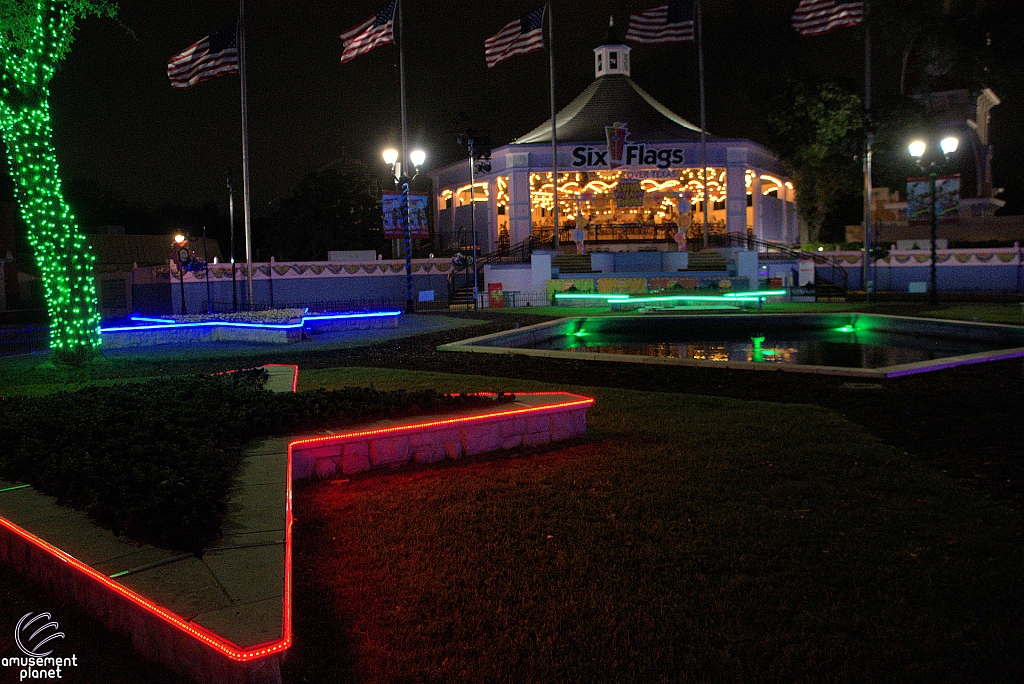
{"x":295,"y":372}
{"x":215,"y":641}
{"x":579,"y":400}
{"x":209,"y":638}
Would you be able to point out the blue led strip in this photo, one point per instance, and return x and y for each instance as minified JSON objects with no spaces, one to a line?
{"x":167,"y":324}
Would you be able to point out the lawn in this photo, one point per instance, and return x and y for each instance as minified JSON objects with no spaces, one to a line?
{"x":732,"y":527}
{"x":683,"y":539}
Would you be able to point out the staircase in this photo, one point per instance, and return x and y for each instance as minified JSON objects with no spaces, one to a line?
{"x":572,"y":263}
{"x":707,"y":261}
{"x":825,"y":291}
{"x":462,"y":298}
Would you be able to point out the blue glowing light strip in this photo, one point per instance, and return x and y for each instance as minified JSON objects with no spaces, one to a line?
{"x":165,"y":324}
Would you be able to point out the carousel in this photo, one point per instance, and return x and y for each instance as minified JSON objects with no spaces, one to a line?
{"x":629,"y":172}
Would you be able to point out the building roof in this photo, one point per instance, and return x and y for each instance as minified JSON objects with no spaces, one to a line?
{"x":608,"y":99}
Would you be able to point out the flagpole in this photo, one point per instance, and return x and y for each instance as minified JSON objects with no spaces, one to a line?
{"x":703,"y":123}
{"x":867,"y":150}
{"x":401,"y":79}
{"x":245,"y":152}
{"x":554,"y":126}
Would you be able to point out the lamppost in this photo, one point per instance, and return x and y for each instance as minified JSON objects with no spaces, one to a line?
{"x":417,"y":157}
{"x":181,"y":255}
{"x":932,"y":166}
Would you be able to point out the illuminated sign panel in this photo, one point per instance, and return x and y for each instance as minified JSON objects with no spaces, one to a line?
{"x":619,"y":151}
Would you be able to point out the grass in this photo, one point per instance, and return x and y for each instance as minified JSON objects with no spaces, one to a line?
{"x":1012,"y":314}
{"x":684,"y":539}
{"x":35,"y":375}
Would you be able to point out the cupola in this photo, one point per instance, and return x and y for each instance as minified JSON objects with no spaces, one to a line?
{"x":612,"y":56}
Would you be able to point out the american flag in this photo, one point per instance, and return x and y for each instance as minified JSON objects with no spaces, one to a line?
{"x":377,"y":30}
{"x":815,"y":17}
{"x":214,"y":55}
{"x":517,"y":38}
{"x":671,"y":23}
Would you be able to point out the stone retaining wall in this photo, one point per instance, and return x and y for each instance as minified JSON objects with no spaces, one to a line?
{"x":154,"y":637}
{"x":531,"y":419}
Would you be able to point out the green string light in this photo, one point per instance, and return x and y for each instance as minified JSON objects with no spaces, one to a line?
{"x":34,"y":37}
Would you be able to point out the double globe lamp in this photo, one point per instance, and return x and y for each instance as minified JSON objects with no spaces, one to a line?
{"x":402,"y":180}
{"x":917,"y":149}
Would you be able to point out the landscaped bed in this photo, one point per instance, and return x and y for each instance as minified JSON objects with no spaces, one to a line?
{"x":156,"y":460}
{"x":832,"y":531}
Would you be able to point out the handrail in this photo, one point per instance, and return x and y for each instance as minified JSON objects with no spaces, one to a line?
{"x":751,"y":242}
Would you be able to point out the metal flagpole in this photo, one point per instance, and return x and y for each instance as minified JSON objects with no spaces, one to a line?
{"x":404,"y":178}
{"x":867,"y":150}
{"x":231,"y":219}
{"x":554,"y":113}
{"x":245,"y":152}
{"x":401,"y":78}
{"x":703,"y":124}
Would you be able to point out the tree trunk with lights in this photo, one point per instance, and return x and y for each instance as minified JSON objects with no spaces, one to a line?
{"x":34,"y":37}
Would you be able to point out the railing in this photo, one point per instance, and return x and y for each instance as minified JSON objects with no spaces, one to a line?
{"x":836,"y":275}
{"x":28,"y":339}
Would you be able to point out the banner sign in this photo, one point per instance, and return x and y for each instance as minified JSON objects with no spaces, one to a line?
{"x":629,"y":193}
{"x":919,"y":200}
{"x":495,"y":295}
{"x":391,"y":202}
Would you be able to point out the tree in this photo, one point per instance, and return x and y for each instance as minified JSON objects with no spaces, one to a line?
{"x":337,"y":207}
{"x":35,"y":35}
{"x":817,"y":131}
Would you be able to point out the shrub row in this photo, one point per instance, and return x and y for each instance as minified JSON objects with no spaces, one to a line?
{"x":155,"y":461}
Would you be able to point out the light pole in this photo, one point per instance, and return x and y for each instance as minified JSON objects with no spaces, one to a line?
{"x":181,"y":255}
{"x":932,"y":166}
{"x":417,"y":157}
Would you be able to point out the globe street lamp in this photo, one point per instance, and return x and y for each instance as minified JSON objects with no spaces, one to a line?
{"x":932,"y":166}
{"x":181,"y":255}
{"x":402,"y":180}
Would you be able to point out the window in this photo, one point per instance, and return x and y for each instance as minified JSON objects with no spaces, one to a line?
{"x":600,"y":66}
{"x":613,"y":60}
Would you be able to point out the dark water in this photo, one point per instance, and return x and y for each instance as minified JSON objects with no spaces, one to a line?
{"x":857,"y":349}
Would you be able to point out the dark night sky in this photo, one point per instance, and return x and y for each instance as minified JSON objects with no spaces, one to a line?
{"x":119,"y":123}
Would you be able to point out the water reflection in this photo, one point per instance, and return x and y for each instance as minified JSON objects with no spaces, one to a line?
{"x":840,"y":348}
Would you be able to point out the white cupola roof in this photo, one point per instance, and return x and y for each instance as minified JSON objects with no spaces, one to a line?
{"x":612,"y":57}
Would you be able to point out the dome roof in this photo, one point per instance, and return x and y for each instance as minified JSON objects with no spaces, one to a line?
{"x":609,"y":99}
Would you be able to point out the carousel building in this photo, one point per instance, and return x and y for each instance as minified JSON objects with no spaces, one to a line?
{"x":629,"y":171}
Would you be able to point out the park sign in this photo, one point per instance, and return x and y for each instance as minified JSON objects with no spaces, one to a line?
{"x":919,"y":200}
{"x":391,"y":202}
{"x":619,"y":151}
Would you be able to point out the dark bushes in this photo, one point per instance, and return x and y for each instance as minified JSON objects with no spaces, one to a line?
{"x":155,"y":461}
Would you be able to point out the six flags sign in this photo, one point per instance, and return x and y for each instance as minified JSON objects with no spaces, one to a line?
{"x":621,"y":152}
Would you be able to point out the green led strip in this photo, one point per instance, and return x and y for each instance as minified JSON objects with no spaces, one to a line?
{"x":569,"y":295}
{"x":34,"y":37}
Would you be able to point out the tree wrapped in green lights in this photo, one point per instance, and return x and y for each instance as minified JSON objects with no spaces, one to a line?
{"x":34,"y":36}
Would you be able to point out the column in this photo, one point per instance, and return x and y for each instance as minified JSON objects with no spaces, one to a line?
{"x":520,"y":218}
{"x":756,"y":194}
{"x":736,"y":191}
